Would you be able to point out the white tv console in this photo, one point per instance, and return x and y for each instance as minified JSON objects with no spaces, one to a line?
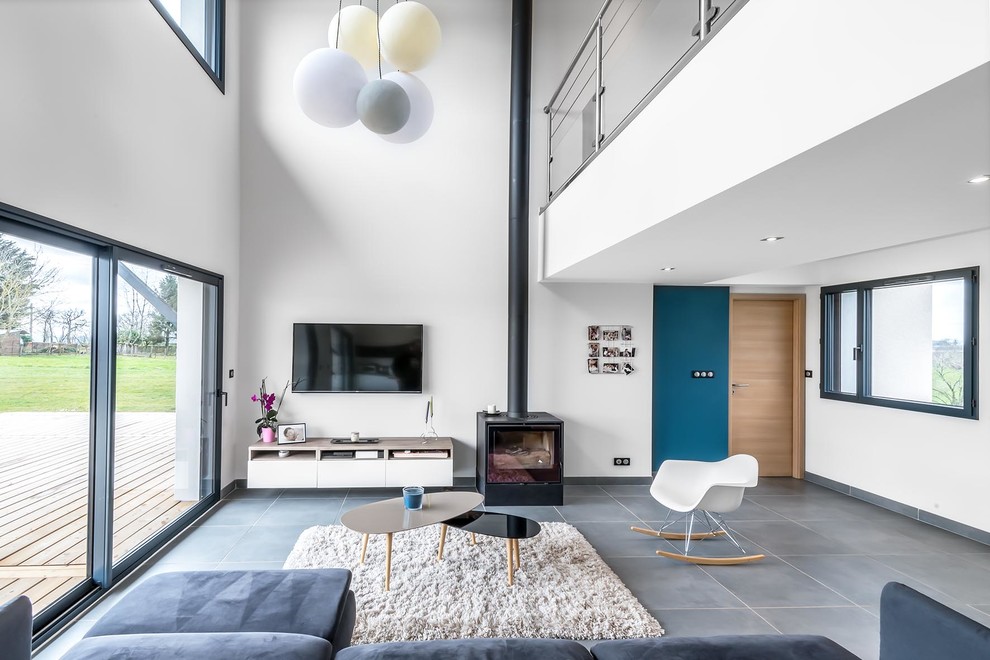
{"x":321,"y":463}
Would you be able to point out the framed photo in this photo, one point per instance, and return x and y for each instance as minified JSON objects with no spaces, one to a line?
{"x":627,"y":333}
{"x":594,"y":332}
{"x":291,"y":434}
{"x":610,"y":335}
{"x":610,"y":367}
{"x":627,"y":352}
{"x":592,"y":349}
{"x":627,"y":368}
{"x":593,"y":366}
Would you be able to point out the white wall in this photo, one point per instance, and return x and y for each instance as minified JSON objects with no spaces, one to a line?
{"x":108,"y":124}
{"x":938,"y":464}
{"x":340,"y":226}
{"x":605,"y":415}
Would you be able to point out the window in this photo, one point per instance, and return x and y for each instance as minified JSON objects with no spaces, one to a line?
{"x":109,"y":359}
{"x":199,"y":25}
{"x":907,"y":342}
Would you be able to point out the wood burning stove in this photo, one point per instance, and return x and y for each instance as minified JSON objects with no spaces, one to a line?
{"x":520,"y":460}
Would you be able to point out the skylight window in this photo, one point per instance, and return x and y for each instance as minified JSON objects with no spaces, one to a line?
{"x":199,"y":25}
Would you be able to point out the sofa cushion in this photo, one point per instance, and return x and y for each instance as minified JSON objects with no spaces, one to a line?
{"x":308,"y":602}
{"x":15,"y":628}
{"x":470,"y":649}
{"x":215,"y":646}
{"x":912,"y":625}
{"x":723,"y":647}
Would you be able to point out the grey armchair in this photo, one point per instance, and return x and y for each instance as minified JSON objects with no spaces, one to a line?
{"x":15,"y":628}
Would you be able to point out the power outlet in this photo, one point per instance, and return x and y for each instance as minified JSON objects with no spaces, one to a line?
{"x":620,"y":462}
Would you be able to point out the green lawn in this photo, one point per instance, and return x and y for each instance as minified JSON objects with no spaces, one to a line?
{"x":49,"y":383}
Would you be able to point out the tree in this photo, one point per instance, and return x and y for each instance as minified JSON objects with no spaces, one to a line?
{"x":133,"y":322}
{"x":72,"y":322}
{"x":947,"y":375}
{"x":162,"y":330}
{"x":46,"y":315}
{"x":22,"y":276}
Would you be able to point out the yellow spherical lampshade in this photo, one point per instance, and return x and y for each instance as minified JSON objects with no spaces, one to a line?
{"x":410,"y":35}
{"x":358,"y":34}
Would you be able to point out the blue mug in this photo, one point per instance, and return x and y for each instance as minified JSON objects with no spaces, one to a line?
{"x":412,"y":497}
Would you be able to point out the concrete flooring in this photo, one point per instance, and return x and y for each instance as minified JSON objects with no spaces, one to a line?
{"x":828,"y":556}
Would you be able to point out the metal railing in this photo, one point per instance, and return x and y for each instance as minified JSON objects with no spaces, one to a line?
{"x":633,"y":49}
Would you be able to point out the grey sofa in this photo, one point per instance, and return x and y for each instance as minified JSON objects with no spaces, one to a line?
{"x":303,"y":614}
{"x":912,"y":627}
{"x":309,"y":615}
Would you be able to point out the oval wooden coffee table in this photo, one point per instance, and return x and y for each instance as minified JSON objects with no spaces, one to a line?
{"x":391,"y":516}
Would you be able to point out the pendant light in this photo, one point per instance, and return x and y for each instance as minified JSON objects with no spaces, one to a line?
{"x":410,"y":35}
{"x":332,"y":88}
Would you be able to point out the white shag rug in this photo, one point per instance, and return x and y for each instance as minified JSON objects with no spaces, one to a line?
{"x":562,"y":590}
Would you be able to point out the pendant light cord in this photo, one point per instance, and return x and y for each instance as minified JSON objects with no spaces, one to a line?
{"x":378,"y":30}
{"x":340,"y":8}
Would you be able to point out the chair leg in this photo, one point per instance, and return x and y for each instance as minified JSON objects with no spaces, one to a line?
{"x":725,"y":529}
{"x":690,"y":530}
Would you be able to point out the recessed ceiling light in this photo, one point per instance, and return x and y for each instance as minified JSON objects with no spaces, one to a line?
{"x":668,"y":268}
{"x":772,"y":239}
{"x":983,"y":178}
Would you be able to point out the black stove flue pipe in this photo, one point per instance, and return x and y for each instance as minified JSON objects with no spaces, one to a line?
{"x":522,"y":73}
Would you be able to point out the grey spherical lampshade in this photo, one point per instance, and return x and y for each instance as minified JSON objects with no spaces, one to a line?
{"x":383,"y":106}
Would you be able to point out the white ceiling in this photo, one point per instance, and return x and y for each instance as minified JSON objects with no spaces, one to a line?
{"x":899,"y":178}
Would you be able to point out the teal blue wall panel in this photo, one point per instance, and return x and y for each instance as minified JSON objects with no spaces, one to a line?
{"x":690,"y":332}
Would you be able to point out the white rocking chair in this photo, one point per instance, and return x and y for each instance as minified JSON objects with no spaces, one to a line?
{"x":700,"y":490}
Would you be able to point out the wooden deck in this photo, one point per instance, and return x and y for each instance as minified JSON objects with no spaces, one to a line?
{"x":44,"y":498}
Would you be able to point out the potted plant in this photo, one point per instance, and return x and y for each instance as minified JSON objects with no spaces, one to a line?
{"x":269,"y":411}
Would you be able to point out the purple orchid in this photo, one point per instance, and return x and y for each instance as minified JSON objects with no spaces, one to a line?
{"x":269,"y":411}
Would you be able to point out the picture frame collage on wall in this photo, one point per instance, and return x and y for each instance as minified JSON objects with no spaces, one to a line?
{"x":610,"y":349}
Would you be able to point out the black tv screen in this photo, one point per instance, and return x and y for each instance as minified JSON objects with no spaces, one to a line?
{"x":357,"y":357}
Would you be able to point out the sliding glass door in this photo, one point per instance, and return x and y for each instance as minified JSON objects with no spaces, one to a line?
{"x":46,"y":312}
{"x":109,"y":419}
{"x":165,"y":403}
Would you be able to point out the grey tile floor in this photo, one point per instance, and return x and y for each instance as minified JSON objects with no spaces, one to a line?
{"x":828,"y":556}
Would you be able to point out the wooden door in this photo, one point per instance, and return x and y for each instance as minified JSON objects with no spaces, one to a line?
{"x":766,"y":394}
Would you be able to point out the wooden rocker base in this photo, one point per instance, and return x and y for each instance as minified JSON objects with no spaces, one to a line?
{"x":711,"y":561}
{"x":678,"y":536}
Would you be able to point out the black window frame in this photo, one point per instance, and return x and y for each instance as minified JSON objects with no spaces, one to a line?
{"x":831,"y":339}
{"x":107,"y":252}
{"x":215,"y":45}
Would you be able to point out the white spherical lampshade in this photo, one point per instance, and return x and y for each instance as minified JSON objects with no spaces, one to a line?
{"x":358,"y":34}
{"x":383,"y":106}
{"x":410,"y":35}
{"x":326,"y":85}
{"x":420,"y":108}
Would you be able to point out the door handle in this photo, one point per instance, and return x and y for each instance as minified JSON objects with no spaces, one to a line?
{"x":740,"y":384}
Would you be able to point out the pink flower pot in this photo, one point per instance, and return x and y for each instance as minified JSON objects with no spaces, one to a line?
{"x":267,"y":434}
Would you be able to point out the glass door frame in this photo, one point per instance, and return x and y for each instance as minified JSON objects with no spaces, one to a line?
{"x":165,"y":534}
{"x":101,"y":573}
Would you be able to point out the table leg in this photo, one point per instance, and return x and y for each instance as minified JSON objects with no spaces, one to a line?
{"x":515,"y":545}
{"x":364,"y":547}
{"x":388,"y":558}
{"x":508,"y":555}
{"x":474,"y":539}
{"x":443,"y":537}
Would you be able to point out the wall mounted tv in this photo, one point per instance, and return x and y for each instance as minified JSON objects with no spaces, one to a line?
{"x":357,"y":357}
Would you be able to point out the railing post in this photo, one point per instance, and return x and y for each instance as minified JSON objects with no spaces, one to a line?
{"x":704,"y":6}
{"x":549,"y":113}
{"x":598,"y":82}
